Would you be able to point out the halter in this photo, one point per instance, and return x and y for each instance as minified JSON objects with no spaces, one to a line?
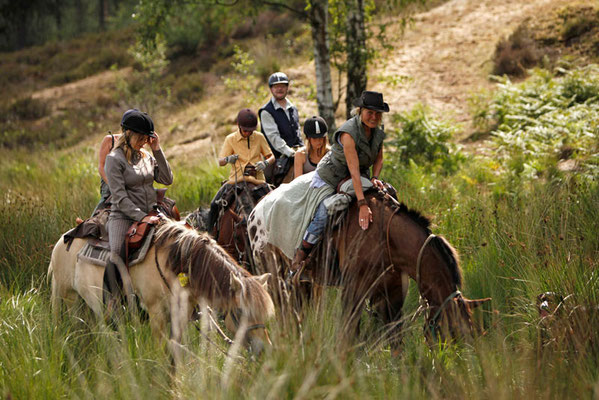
{"x":236,"y":321}
{"x":433,"y":323}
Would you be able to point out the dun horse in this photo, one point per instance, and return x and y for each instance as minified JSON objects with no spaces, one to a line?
{"x":374,"y":266}
{"x":214,"y":279}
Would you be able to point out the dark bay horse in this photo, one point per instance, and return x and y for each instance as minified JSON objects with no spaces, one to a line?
{"x":230,"y":230}
{"x":374,"y":263}
{"x":374,"y":266}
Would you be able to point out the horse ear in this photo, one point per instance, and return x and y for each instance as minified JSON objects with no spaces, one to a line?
{"x":475,"y":303}
{"x":235,"y":283}
{"x":263,"y":279}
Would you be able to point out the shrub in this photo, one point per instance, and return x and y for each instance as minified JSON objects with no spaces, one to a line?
{"x":546,"y":118}
{"x":28,"y":108}
{"x":514,"y":55}
{"x":188,"y":88}
{"x":424,"y":140}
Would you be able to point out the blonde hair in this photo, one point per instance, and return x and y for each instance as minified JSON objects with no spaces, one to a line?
{"x":323,"y":150}
{"x":124,"y":142}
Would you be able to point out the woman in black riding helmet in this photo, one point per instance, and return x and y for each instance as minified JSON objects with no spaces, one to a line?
{"x":307,"y":158}
{"x":131,"y":172}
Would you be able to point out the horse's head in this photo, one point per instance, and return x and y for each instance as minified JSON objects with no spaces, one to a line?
{"x":253,"y":307}
{"x":453,"y":318}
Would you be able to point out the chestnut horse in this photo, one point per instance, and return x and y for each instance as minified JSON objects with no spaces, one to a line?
{"x":230,"y":231}
{"x":374,"y":266}
{"x":214,"y":280}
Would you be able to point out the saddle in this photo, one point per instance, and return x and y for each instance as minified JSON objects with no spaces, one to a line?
{"x":138,"y":239}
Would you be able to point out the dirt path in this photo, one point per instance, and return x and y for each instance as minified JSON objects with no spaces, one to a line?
{"x":447,"y":53}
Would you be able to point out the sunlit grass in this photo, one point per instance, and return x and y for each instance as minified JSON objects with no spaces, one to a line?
{"x":515,"y":240}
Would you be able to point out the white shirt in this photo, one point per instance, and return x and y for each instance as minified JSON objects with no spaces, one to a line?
{"x":269,"y":126}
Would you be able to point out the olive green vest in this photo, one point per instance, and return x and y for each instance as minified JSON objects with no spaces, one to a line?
{"x":333,"y":166}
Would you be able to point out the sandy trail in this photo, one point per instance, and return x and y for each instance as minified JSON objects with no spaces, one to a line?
{"x":447,"y":53}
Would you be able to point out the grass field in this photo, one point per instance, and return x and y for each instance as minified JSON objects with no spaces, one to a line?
{"x":515,"y":239}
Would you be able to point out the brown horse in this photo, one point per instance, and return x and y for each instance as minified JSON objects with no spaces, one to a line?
{"x":230,"y":231}
{"x":374,"y":266}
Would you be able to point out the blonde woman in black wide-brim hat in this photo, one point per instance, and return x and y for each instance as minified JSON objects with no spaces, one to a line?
{"x":357,"y":146}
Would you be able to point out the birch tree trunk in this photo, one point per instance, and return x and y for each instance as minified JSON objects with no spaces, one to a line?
{"x":357,"y":55}
{"x":324,"y":91}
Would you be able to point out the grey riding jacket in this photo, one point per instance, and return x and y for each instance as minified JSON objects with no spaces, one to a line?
{"x":131,"y":186}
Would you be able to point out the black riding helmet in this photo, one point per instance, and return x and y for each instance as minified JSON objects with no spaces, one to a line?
{"x":139,"y":122}
{"x":278,"y":77}
{"x":315,"y":127}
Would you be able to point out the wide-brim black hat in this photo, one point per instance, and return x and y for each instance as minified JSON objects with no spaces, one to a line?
{"x":139,"y":122}
{"x":372,"y":101}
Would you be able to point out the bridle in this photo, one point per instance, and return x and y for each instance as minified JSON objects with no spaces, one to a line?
{"x":235,"y":317}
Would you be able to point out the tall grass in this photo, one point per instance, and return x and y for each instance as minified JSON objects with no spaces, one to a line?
{"x":516,"y":238}
{"x":43,"y":194}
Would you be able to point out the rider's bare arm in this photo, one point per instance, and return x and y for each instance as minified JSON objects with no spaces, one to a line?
{"x":298,"y":163}
{"x":353,"y":165}
{"x":105,"y":147}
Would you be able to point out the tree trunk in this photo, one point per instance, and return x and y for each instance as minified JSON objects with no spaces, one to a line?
{"x":80,"y":12}
{"x":324,"y":91}
{"x":356,"y":53}
{"x":102,"y":14}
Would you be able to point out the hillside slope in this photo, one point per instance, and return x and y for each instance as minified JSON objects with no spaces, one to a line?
{"x":446,"y":55}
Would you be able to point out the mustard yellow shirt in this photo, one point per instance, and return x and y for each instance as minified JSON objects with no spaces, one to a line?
{"x":250,"y":151}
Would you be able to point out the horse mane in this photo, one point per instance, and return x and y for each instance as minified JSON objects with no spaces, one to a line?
{"x":448,"y":253}
{"x":207,"y":265}
{"x":401,"y":208}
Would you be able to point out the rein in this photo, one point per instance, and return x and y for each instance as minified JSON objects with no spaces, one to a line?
{"x":236,"y":321}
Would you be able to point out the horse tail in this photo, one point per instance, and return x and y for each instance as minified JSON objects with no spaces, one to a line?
{"x":55,"y":300}
{"x":450,"y":256}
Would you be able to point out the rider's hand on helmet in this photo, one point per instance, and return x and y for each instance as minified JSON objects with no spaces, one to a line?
{"x":154,"y":142}
{"x":232,"y":159}
{"x":261,"y":165}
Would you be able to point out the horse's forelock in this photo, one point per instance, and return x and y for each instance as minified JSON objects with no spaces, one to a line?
{"x":208,"y":266}
{"x":256,"y":301}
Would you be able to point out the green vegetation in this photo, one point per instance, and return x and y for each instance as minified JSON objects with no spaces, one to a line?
{"x":423,"y":140}
{"x":513,"y":246}
{"x":544,"y":120}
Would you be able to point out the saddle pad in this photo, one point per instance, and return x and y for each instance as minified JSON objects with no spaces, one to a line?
{"x":100,"y":256}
